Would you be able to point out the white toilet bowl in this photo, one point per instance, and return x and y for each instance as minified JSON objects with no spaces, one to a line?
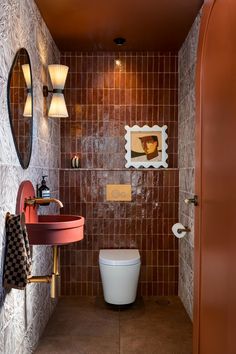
{"x":119,"y":272}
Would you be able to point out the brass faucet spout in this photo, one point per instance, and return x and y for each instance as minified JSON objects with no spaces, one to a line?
{"x":34,"y":201}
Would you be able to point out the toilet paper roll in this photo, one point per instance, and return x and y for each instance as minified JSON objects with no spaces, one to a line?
{"x":175,"y":229}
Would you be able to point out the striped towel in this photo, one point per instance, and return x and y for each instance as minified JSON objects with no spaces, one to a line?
{"x":17,"y":268}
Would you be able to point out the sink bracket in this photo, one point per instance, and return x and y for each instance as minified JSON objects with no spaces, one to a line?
{"x":52,"y":279}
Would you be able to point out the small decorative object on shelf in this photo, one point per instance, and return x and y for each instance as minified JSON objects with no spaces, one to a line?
{"x":75,"y":162}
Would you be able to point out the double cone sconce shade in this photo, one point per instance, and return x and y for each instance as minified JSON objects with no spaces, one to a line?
{"x":28,"y":103}
{"x":58,"y":74}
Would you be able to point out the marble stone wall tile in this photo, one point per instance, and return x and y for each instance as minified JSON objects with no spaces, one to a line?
{"x":186,"y":297}
{"x":193,"y":39}
{"x":186,"y":180}
{"x":186,"y":158}
{"x":186,"y":252}
{"x":183,"y":63}
{"x":184,"y":111}
{"x":24,"y":314}
{"x":186,"y":155}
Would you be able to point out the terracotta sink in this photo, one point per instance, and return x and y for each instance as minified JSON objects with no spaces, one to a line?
{"x":47,"y":229}
{"x":55,"y":229}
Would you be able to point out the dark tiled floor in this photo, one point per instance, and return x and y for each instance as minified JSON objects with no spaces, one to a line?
{"x":89,"y":326}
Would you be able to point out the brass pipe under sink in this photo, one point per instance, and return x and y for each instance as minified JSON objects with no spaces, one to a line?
{"x":55,"y":274}
{"x":40,"y":279}
{"x":56,"y":255}
{"x":52,"y":279}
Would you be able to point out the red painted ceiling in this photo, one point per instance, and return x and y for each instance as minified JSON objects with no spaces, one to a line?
{"x":91,"y":25}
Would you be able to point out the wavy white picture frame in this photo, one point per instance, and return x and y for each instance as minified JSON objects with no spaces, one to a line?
{"x":163,"y":148}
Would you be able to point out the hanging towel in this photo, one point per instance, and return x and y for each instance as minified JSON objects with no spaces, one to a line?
{"x":17,"y":268}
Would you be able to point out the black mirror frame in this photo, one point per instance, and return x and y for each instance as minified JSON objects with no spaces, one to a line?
{"x":24,"y":166}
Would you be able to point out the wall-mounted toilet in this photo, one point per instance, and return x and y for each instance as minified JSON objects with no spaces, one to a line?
{"x":119,"y":270}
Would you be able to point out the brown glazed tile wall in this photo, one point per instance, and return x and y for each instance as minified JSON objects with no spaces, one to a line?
{"x":145,"y":223}
{"x":101,"y":99}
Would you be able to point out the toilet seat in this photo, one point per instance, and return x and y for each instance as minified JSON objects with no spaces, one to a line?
{"x":114,"y":257}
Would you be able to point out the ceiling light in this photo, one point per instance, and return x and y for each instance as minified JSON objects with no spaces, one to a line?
{"x":119,"y":41}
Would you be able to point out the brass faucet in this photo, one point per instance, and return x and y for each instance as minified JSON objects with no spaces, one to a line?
{"x":35,"y":201}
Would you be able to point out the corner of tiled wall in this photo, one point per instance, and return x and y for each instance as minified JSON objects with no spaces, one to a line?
{"x":186,"y":151}
{"x":24,"y":314}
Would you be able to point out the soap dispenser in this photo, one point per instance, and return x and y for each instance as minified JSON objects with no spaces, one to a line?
{"x":44,"y":191}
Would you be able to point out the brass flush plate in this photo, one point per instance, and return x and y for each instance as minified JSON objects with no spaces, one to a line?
{"x":118,"y":192}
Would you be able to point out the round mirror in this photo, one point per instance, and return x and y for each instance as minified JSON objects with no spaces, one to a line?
{"x":20,"y":105}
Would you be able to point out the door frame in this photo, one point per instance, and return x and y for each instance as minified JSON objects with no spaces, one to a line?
{"x":206,"y":14}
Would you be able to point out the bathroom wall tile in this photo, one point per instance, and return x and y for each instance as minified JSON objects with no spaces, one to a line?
{"x":186,"y":150}
{"x":102,"y":99}
{"x":145,"y":225}
{"x":22,"y":26}
{"x":101,"y":103}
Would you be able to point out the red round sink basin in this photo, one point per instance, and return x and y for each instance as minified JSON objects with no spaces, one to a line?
{"x":55,"y":229}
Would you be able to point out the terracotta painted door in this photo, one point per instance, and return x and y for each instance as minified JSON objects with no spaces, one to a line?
{"x":215,"y":257}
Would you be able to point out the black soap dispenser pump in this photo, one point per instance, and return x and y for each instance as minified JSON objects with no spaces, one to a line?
{"x":44,"y":191}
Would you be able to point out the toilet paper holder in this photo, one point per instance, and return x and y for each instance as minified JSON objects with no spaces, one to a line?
{"x":185,"y":229}
{"x":179,"y":230}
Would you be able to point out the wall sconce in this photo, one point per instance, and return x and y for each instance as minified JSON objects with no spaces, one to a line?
{"x":58,"y":74}
{"x":28,"y":103}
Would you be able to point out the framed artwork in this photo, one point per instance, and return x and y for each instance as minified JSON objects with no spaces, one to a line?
{"x":146,"y":146}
